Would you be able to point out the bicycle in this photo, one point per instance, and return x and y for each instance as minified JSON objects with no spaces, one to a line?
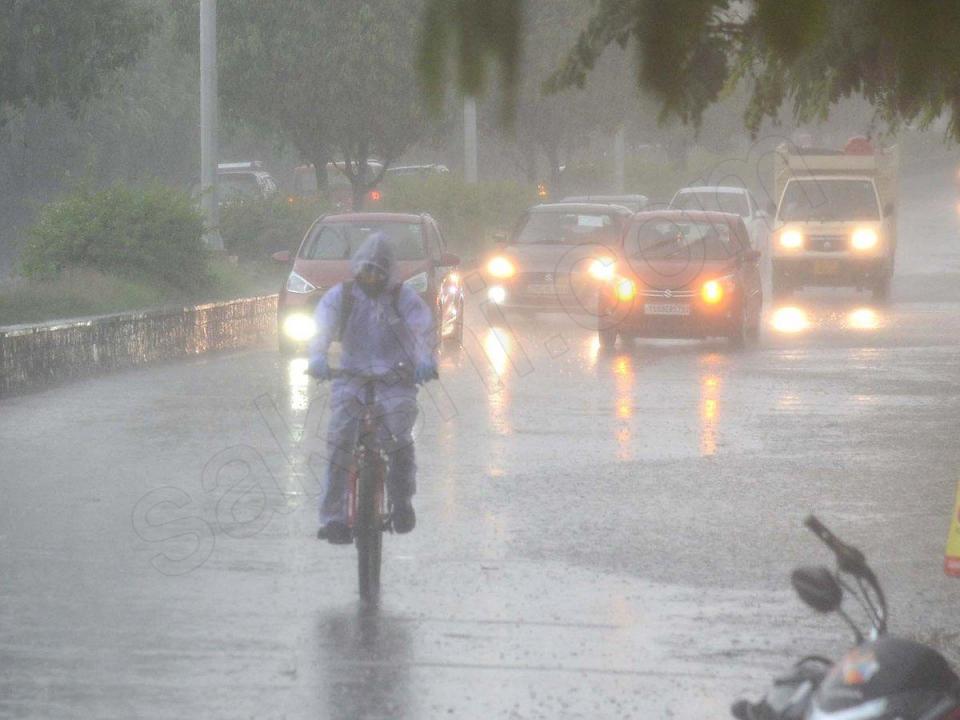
{"x":367,"y":512}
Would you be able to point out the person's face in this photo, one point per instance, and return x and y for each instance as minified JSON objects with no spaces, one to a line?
{"x":372,"y":280}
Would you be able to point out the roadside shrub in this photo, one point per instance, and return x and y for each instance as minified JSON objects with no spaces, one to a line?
{"x":152,"y":233}
{"x":254,"y":227}
{"x":468,"y":215}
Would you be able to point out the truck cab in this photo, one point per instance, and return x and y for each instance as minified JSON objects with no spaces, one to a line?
{"x":835,"y":224}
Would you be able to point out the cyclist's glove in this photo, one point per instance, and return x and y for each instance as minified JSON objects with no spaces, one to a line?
{"x":425,"y":372}
{"x":318,"y":368}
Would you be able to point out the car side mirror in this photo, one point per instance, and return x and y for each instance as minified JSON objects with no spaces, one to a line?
{"x":888,"y":209}
{"x":752,"y":256}
{"x":281,"y":257}
{"x":448,"y":259}
{"x":818,"y":588}
{"x":500,"y":237}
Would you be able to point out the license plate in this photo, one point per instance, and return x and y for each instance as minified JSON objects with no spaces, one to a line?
{"x":540,"y":289}
{"x":826,"y":267}
{"x":666,"y":309}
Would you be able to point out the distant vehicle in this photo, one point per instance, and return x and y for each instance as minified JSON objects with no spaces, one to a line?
{"x":323,"y":260}
{"x":239,"y":180}
{"x":835,"y":222}
{"x":729,"y":199}
{"x":681,"y":274}
{"x":417,"y":170}
{"x":544,"y":265}
{"x":636,"y":203}
{"x":338,"y":184}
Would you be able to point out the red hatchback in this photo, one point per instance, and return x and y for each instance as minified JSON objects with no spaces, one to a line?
{"x":323,"y":260}
{"x":683,"y":274}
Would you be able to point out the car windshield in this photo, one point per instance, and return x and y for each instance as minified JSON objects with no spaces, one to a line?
{"x":567,"y":228}
{"x":713,"y":201}
{"x":237,"y":185}
{"x":826,"y":200}
{"x":660,"y":239}
{"x":339,"y":241}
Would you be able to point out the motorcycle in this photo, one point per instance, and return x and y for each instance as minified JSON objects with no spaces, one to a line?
{"x":881,"y":678}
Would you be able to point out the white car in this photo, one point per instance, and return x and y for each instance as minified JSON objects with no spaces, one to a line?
{"x":730,"y":199}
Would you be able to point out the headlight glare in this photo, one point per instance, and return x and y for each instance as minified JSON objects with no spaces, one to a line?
{"x":299,"y":327}
{"x":791,"y":239}
{"x":602,"y":269}
{"x":864,"y":239}
{"x":626,"y":289}
{"x":501,"y":267}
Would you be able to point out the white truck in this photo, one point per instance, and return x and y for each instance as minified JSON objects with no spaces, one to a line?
{"x":835,"y":223}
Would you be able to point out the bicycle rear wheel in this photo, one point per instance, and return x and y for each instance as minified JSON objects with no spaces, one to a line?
{"x":369,"y":532}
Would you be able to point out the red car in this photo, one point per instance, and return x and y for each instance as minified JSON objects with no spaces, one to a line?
{"x":323,"y":260}
{"x":682,"y":274}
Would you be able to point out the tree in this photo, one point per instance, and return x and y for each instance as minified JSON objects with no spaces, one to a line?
{"x":903,"y":57}
{"x":62,"y":50}
{"x":331,"y":77}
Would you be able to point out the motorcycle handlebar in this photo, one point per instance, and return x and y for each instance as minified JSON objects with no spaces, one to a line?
{"x":849,"y":558}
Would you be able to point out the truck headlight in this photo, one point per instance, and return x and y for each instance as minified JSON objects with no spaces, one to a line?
{"x":299,"y":327}
{"x":791,"y":239}
{"x":864,"y":239}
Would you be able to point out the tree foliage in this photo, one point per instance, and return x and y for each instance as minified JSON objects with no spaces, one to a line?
{"x":331,"y":77}
{"x":64,"y":50}
{"x":902,"y":56}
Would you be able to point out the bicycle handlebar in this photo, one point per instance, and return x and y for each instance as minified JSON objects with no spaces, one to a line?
{"x":394,"y":376}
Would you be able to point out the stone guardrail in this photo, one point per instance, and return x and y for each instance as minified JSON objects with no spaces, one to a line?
{"x":33,"y":356}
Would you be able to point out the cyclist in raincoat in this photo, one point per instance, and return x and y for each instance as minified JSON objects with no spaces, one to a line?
{"x":386,"y":324}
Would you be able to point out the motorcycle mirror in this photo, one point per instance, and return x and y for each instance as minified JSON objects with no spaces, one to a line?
{"x":818,"y":588}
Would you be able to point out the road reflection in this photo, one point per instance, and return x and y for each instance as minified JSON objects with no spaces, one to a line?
{"x":624,"y":378}
{"x":365,"y":658}
{"x":298,"y":385}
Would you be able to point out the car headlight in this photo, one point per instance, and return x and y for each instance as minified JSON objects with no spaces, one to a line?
{"x":791,"y":239}
{"x":501,"y":267}
{"x":626,"y":289}
{"x":602,"y":269}
{"x":712,"y":292}
{"x":299,"y":327}
{"x":864,"y":239}
{"x":298,"y":284}
{"x":418,"y":283}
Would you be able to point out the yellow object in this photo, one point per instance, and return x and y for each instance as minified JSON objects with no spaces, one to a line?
{"x":951,"y":563}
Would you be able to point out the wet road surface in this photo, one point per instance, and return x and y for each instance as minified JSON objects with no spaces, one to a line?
{"x":600,"y":534}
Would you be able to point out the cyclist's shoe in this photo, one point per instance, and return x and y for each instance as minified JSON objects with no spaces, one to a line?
{"x":404,"y":518}
{"x":335,"y":533}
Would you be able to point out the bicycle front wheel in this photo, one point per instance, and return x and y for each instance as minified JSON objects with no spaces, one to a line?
{"x":369,"y":532}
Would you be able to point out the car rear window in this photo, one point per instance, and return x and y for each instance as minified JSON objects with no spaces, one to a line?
{"x":567,"y":228}
{"x":713,"y":201}
{"x":339,"y":241}
{"x":661,"y":239}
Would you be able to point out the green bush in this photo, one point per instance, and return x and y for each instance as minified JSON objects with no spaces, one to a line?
{"x":153,"y":233}
{"x":468,"y":214}
{"x":253,"y":227}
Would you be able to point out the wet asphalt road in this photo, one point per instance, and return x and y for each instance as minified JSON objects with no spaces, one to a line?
{"x":600,"y":535}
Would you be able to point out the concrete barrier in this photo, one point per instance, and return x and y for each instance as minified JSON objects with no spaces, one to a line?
{"x":32,"y":356}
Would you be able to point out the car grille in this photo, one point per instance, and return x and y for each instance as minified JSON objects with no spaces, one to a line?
{"x":668,"y":294}
{"x":827,"y":243}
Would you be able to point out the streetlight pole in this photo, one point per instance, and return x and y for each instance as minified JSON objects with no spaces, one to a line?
{"x":209,"y":121}
{"x":470,"y":139}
